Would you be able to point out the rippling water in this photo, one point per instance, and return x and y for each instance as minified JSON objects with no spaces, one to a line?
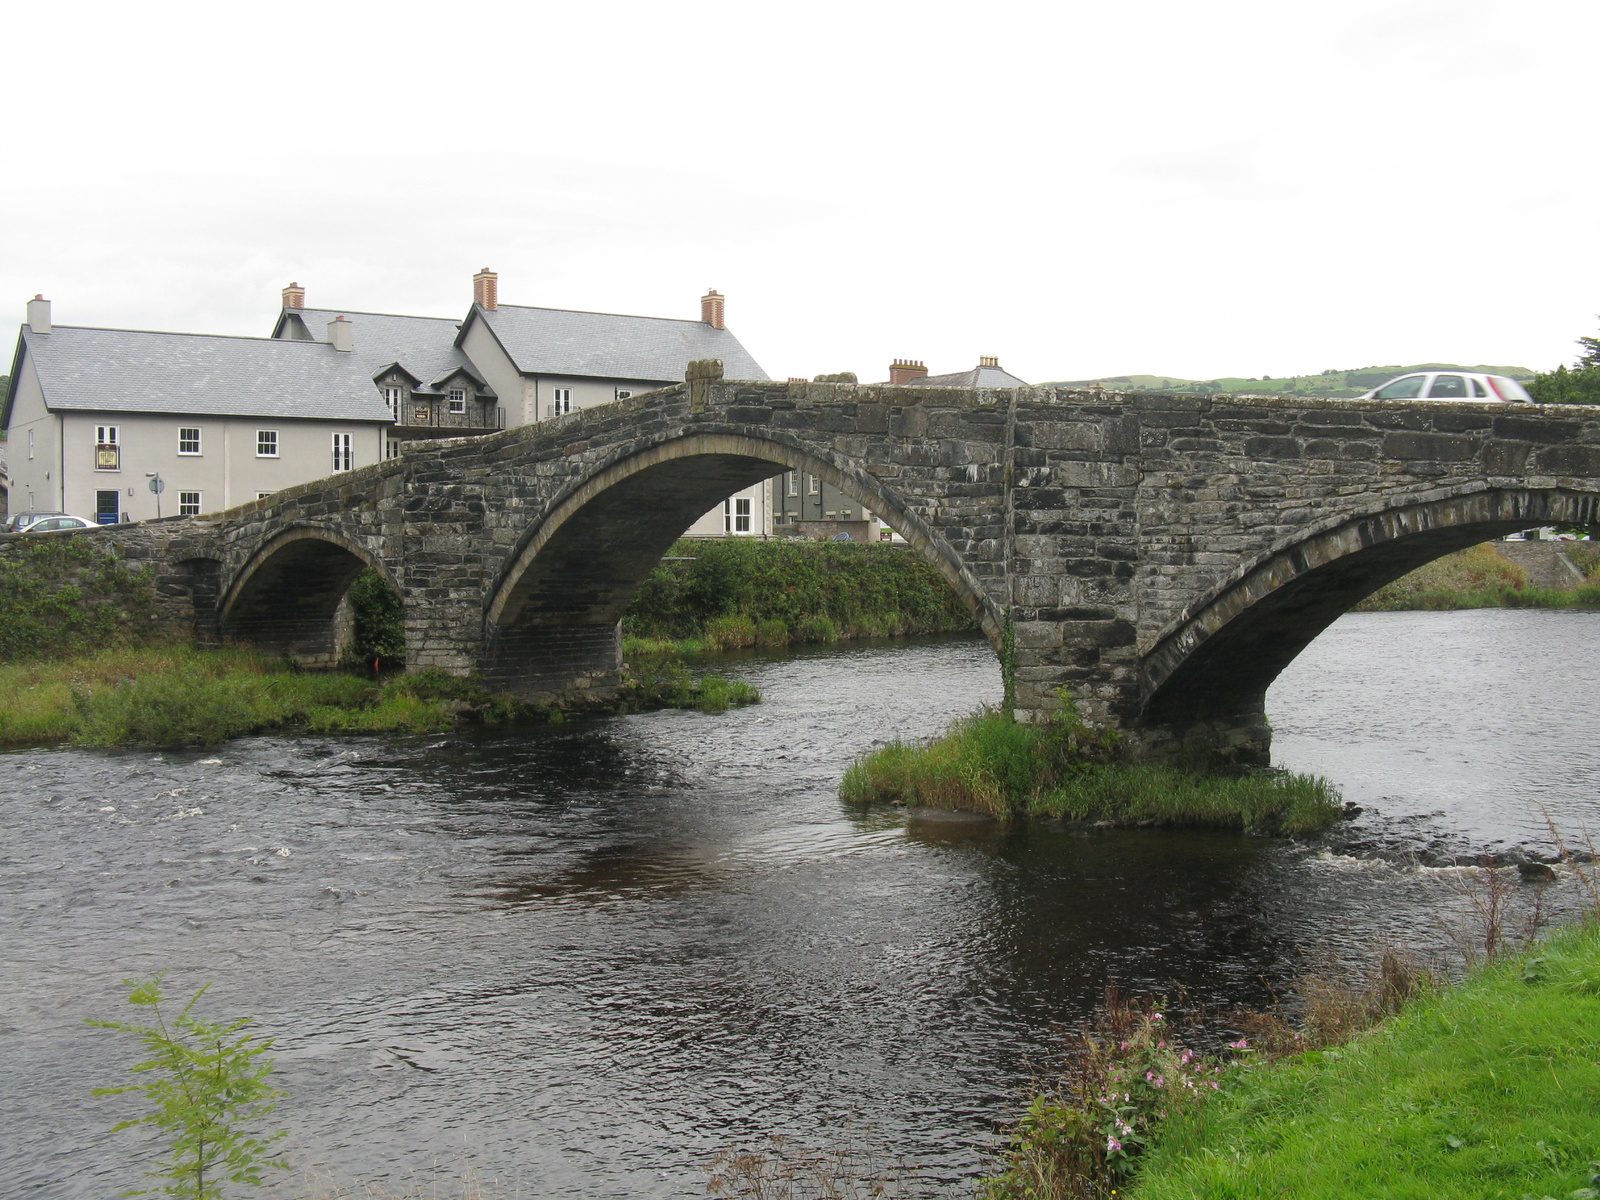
{"x":583,"y":958}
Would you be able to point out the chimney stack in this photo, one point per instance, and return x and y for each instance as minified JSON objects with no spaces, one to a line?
{"x":294,"y":296}
{"x":988,"y":360}
{"x":39,"y":315}
{"x":711,"y":309}
{"x":486,"y":289}
{"x":341,"y":334}
{"x":906,"y":370}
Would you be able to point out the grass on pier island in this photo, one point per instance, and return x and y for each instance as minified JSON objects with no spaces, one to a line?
{"x":988,"y":763}
{"x":172,"y":696}
{"x":1486,"y":1090}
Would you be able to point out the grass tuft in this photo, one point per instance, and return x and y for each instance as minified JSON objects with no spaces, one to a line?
{"x":988,"y":763}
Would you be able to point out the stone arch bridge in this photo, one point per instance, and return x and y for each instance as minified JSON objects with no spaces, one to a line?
{"x":1162,"y":556}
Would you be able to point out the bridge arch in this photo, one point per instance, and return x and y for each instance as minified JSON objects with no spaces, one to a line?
{"x":1207,"y":674}
{"x":553,"y":609}
{"x":283,"y":600}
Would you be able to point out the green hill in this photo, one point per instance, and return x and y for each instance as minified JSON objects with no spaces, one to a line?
{"x":1324,"y":383}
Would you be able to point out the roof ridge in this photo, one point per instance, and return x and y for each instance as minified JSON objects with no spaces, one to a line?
{"x":362,"y":313}
{"x":589,"y":312}
{"x":234,"y":337}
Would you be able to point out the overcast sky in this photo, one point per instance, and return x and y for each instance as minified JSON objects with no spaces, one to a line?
{"x":1081,"y":189}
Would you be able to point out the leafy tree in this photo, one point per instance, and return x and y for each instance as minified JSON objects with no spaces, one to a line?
{"x":206,"y":1085}
{"x":1579,"y":384}
{"x":1591,"y":352}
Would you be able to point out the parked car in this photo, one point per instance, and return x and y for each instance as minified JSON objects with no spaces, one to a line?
{"x":46,"y":524}
{"x":1451,"y":385}
{"x":17,"y":521}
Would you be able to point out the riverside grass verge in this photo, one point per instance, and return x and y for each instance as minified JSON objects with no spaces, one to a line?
{"x":735,"y":593}
{"x":990,"y":764}
{"x":1486,"y":1089}
{"x":173,"y":696}
{"x":1480,"y":577}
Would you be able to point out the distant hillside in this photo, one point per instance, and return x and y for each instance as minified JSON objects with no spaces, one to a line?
{"x":1324,"y":383}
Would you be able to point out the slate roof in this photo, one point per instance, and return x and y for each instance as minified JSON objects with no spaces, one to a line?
{"x":982,"y":377}
{"x":424,"y":346}
{"x":130,"y":370}
{"x":559,"y":341}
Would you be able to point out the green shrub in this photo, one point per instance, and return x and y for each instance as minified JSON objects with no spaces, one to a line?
{"x":380,"y":631}
{"x":772,"y":633}
{"x":206,"y":1085}
{"x":875,"y":589}
{"x":63,"y":596}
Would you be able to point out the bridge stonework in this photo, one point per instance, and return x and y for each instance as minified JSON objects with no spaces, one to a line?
{"x":1162,"y":557}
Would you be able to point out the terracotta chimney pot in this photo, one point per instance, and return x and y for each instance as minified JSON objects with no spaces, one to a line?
{"x":906,"y":370}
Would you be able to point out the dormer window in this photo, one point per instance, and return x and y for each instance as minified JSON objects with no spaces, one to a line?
{"x":458,"y":400}
{"x":394,"y":396}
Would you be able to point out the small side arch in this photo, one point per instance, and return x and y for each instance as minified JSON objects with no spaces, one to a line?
{"x":285,"y":597}
{"x":1212,"y":669}
{"x":553,"y":609}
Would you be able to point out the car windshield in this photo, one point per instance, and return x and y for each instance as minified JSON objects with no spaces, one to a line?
{"x":1448,"y":387}
{"x":1407,"y":387}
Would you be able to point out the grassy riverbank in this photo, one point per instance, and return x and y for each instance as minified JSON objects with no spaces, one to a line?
{"x":739,"y":592}
{"x":990,"y":764}
{"x":1486,"y":1089}
{"x":171,"y":696}
{"x":1480,"y":577}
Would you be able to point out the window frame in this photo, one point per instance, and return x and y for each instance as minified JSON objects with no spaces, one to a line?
{"x":343,"y":453}
{"x":561,"y":402}
{"x":182,"y":441}
{"x":197,"y":504}
{"x":395,"y":397}
{"x":277,"y":443}
{"x":794,"y":483}
{"x":813,"y":486}
{"x":457,"y":400}
{"x":743,"y":515}
{"x":108,"y":437}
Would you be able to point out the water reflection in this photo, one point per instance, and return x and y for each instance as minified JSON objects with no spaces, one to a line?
{"x":585,"y":957}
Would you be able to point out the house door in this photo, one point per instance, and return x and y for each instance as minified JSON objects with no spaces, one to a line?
{"x":107,"y":509}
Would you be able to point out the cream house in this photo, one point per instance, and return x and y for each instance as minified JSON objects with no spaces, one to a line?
{"x":506,"y":365}
{"x":95,"y":415}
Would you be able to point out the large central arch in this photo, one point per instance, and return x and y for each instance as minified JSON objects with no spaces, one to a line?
{"x":1208,"y":673}
{"x":552,"y":614}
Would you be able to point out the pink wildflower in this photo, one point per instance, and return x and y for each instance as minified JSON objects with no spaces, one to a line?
{"x":1241,"y":1044}
{"x":1113,"y":1146}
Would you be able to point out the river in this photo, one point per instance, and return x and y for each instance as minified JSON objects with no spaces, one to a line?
{"x":584,"y":958}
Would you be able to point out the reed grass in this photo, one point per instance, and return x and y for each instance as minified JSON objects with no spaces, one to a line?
{"x":987,"y":763}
